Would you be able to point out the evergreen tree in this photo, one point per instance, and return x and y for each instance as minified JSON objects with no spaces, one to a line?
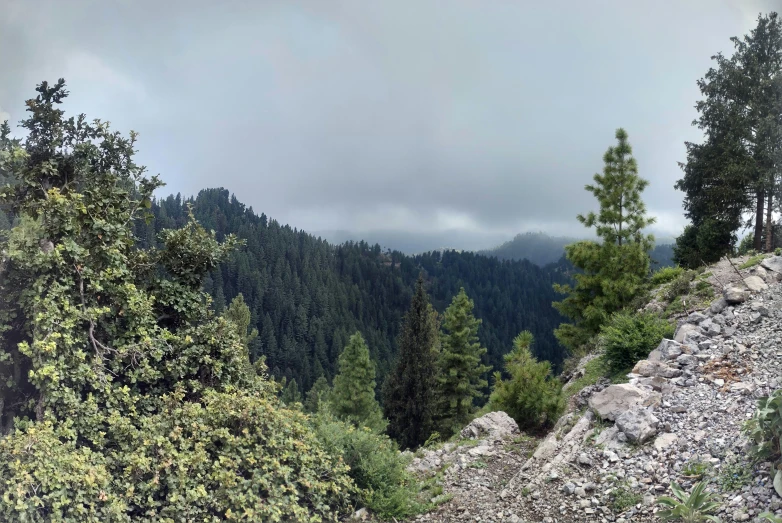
{"x":290,"y":395}
{"x":736,"y":171}
{"x":615,"y":270}
{"x":531,"y":396}
{"x":353,"y":397}
{"x":409,"y":392}
{"x":239,"y":313}
{"x":317,"y":395}
{"x":461,"y":372}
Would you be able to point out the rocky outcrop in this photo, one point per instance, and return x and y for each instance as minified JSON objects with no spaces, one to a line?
{"x":494,"y":425}
{"x":612,"y":402}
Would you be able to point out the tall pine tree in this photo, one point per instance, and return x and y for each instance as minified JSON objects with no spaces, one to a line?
{"x":410,"y":390}
{"x":461,"y":373}
{"x":353,"y":395}
{"x":614,"y":270}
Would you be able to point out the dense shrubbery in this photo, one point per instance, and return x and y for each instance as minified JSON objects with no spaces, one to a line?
{"x":531,"y":396}
{"x":124,"y":397}
{"x":628,"y":338}
{"x":376,"y":467}
{"x":666,"y":274}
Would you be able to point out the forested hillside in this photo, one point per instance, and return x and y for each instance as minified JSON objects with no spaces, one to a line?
{"x":307,"y":297}
{"x":542,"y":249}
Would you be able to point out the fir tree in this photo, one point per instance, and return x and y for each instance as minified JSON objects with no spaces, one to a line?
{"x":239,"y":313}
{"x":353,"y":397}
{"x":409,"y":392}
{"x":461,"y":373}
{"x":317,"y":395}
{"x":531,"y":396}
{"x":613,"y":271}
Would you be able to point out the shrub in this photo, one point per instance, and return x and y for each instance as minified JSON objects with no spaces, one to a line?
{"x":754,"y":260}
{"x":666,"y":274}
{"x":778,"y":251}
{"x":689,"y":508}
{"x":376,"y":466}
{"x":679,"y":286}
{"x":765,"y":431}
{"x":629,"y":338}
{"x":531,"y":396}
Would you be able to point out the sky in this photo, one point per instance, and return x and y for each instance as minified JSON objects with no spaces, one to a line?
{"x":460,"y":121}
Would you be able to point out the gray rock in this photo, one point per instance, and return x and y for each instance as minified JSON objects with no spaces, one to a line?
{"x":687,"y":360}
{"x":734,"y":295}
{"x":718,"y":306}
{"x":655,"y":368}
{"x":495,"y":425}
{"x":714,"y":329}
{"x":637,"y":424}
{"x":696,"y":317}
{"x":772,"y":263}
{"x":669,"y":349}
{"x":755,"y":283}
{"x":616,"y":399}
{"x":685,"y":329}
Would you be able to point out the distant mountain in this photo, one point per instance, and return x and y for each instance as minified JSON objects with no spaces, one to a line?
{"x":537,"y":247}
{"x":412,"y":242}
{"x":542,"y":249}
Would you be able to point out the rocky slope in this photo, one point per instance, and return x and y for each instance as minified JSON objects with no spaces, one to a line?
{"x":679,"y":419}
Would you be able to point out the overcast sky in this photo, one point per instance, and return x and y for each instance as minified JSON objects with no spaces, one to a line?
{"x":485,"y":117}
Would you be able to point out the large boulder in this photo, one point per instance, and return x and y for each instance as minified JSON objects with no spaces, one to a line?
{"x":494,"y":425}
{"x":655,"y":368}
{"x":734,"y":295}
{"x":718,"y":306}
{"x":773,"y":263}
{"x":638,"y":424}
{"x":755,"y":283}
{"x":613,"y":401}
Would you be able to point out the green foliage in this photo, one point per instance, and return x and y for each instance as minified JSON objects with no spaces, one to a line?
{"x":307,"y":297}
{"x":460,"y":378}
{"x":755,"y":260}
{"x":594,"y":369}
{"x":410,"y":391}
{"x":764,"y":430}
{"x":376,"y":467}
{"x":353,"y":395}
{"x":745,"y":245}
{"x":317,"y":395}
{"x":613,"y":272}
{"x":695,"y":468}
{"x":680,"y":286}
{"x":239,"y":313}
{"x":629,"y":338}
{"x":531,"y":396}
{"x":768,"y":516}
{"x":688,"y":508}
{"x":290,"y":395}
{"x":623,"y":498}
{"x":734,"y":475}
{"x":124,"y":397}
{"x":666,"y":274}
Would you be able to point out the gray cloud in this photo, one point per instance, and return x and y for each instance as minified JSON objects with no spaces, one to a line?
{"x":420,"y":116}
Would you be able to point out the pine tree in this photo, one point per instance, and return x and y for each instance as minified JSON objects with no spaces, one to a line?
{"x":317,"y":395}
{"x":239,"y":313}
{"x":353,"y":397}
{"x":531,"y":396}
{"x":613,"y":271}
{"x":409,"y":392}
{"x":461,"y":373}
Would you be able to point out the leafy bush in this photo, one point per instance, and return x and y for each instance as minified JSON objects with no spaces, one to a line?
{"x":531,"y":396}
{"x":629,"y":338}
{"x":778,"y":251}
{"x":745,"y":245}
{"x":146,"y":404}
{"x":376,"y":467}
{"x":622,"y":498}
{"x":666,"y":274}
{"x":679,"y":286}
{"x":765,"y":431}
{"x":689,"y":508}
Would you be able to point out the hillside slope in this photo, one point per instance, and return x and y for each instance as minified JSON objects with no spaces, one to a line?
{"x":679,"y":419}
{"x":307,"y":296}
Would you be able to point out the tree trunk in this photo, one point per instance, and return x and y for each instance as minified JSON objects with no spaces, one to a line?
{"x":769,"y":224}
{"x":757,"y":241}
